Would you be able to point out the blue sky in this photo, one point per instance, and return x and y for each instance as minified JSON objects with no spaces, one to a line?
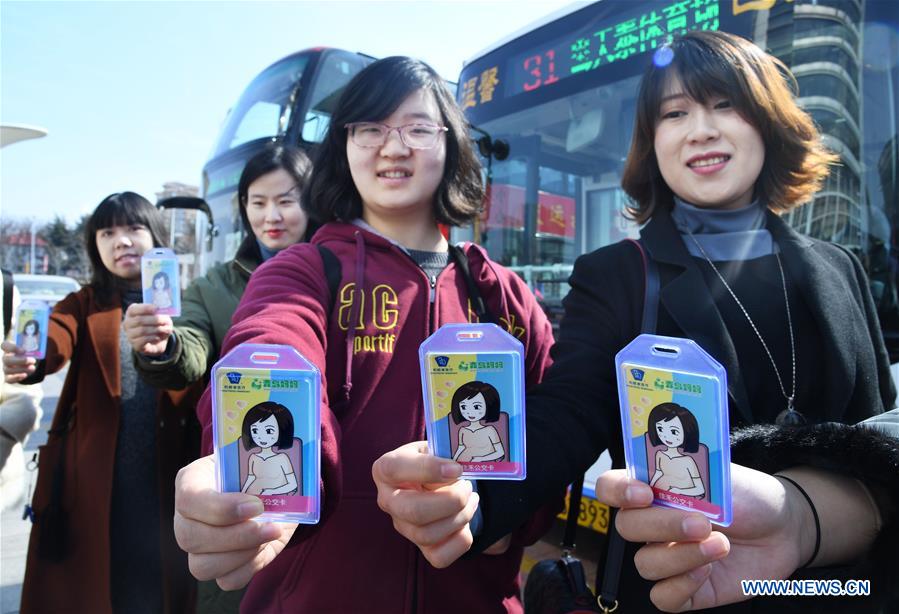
{"x":133,"y":93}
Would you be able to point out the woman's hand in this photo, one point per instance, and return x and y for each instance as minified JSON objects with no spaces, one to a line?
{"x":217,"y":531}
{"x":146,"y":331}
{"x":16,"y":366}
{"x":429,"y":504}
{"x":695,"y":567}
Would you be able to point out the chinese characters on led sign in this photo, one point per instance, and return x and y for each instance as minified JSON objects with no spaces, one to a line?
{"x":591,"y":48}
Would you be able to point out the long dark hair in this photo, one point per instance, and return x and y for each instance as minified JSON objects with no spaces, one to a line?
{"x":119,"y":209}
{"x":761,"y":88}
{"x":275,"y":156}
{"x":373,"y":94}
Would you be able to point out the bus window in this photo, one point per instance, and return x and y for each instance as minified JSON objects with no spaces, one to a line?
{"x":557,"y":195}
{"x":263,"y":110}
{"x":335,"y":71}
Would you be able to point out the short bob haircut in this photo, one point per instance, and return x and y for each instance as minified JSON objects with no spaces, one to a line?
{"x":668,"y":411}
{"x":470,"y":389}
{"x":372,"y":95}
{"x":119,"y":209}
{"x":263,"y":411}
{"x":275,"y":156}
{"x":761,"y":88}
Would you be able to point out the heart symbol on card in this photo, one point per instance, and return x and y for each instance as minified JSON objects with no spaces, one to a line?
{"x":231,"y":415}
{"x":240,"y":404}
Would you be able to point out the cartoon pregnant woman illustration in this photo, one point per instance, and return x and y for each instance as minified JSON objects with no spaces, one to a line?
{"x":269,"y":473}
{"x":30,"y":339}
{"x":477,"y":402}
{"x":673,"y":426}
{"x":162,"y":290}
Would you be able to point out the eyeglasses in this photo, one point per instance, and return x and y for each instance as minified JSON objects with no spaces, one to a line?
{"x":414,"y":136}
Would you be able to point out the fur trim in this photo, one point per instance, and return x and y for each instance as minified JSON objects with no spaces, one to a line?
{"x":863,"y":453}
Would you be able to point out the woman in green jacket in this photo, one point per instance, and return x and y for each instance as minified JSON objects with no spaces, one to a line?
{"x":177,"y":354}
{"x":173,"y":354}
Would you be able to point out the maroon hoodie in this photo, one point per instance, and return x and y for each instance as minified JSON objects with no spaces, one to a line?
{"x":354,"y":560}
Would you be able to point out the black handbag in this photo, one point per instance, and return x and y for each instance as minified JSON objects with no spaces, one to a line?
{"x":559,"y":586}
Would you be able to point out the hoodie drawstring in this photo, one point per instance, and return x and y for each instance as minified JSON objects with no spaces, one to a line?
{"x":354,"y":314}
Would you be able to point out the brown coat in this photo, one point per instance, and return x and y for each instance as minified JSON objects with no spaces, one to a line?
{"x":87,"y":332}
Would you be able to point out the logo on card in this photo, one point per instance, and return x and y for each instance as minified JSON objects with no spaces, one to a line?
{"x":441,"y":361}
{"x":233,"y":377}
{"x":637,"y":374}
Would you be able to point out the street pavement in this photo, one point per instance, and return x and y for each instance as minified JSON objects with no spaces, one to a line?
{"x":13,"y":530}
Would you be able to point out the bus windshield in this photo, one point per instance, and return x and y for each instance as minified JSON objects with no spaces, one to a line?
{"x":264,"y":109}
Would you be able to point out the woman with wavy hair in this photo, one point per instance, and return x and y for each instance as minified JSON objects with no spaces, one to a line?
{"x":720,"y":149}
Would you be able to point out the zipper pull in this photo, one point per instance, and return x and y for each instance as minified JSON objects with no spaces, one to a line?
{"x":433,"y":280}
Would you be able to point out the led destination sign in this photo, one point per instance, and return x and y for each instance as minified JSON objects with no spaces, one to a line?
{"x":599,"y":45}
{"x":619,"y":31}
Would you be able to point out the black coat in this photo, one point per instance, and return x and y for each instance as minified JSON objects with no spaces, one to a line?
{"x":574,"y":414}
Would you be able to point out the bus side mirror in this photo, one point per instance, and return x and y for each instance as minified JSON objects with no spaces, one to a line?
{"x":194,"y":203}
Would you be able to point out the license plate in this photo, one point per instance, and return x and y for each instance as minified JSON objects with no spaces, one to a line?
{"x":593,"y":514}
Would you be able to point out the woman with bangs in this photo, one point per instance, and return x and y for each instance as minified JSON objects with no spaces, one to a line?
{"x":720,"y":149}
{"x":102,"y":540}
{"x":178,"y":354}
{"x":396,"y":163}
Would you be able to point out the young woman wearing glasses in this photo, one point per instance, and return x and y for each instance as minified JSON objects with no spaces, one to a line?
{"x":396,"y":162}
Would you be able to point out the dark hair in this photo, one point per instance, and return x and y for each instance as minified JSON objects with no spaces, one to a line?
{"x":119,"y":209}
{"x":161,"y":275}
{"x":372,"y":95}
{"x":667,"y":411}
{"x":263,"y":411}
{"x":275,"y":156}
{"x":37,"y":326}
{"x":467,"y":391}
{"x":761,"y":88}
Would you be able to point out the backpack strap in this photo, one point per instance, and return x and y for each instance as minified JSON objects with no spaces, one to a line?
{"x":333,"y":274}
{"x":7,"y":302}
{"x":474,"y":294}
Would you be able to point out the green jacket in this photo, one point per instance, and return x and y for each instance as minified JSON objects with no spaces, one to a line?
{"x":206,"y":309}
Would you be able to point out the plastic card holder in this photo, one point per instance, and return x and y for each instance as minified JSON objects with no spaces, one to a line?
{"x":32,"y":322}
{"x":160,"y":280}
{"x":472,"y":379}
{"x":674,"y":418}
{"x":266,"y":425}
